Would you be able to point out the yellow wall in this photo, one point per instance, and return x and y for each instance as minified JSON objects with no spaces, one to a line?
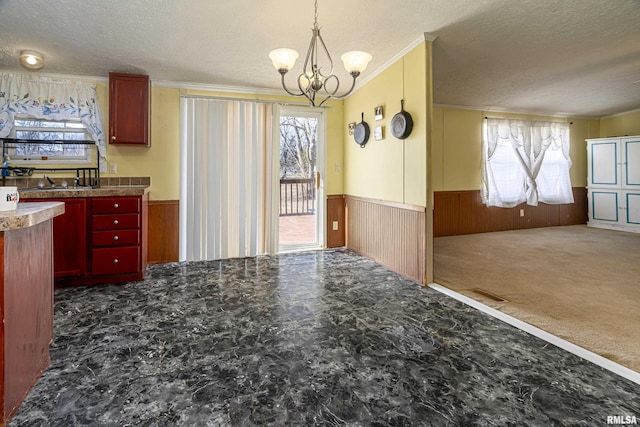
{"x":457,"y":140}
{"x":390,"y":169}
{"x":161,"y":161}
{"x":621,"y":125}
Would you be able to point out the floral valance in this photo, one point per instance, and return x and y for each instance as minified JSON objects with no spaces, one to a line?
{"x":50,"y":99}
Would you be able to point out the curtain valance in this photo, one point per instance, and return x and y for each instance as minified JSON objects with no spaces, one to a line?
{"x":50,"y":99}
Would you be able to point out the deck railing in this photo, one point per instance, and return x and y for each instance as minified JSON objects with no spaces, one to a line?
{"x":297,"y":196}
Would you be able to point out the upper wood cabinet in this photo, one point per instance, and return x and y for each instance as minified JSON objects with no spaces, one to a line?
{"x":128,"y":109}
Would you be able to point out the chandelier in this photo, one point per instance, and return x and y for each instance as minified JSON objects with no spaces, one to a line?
{"x":313,"y":82}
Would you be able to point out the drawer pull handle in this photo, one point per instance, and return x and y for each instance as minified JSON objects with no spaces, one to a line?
{"x":115,"y":237}
{"x":115,"y":206}
{"x":115,"y":261}
{"x":115,"y":221}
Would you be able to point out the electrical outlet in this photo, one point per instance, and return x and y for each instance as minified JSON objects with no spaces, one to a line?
{"x":335,"y":225}
{"x":103,"y":167}
{"x":521,"y":213}
{"x":113,"y":168}
{"x":338,"y":167}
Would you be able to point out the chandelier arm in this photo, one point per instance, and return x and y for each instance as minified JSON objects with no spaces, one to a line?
{"x":335,"y":90}
{"x":353,"y":85}
{"x":327,"y":52}
{"x":284,"y":86}
{"x":323,"y":101}
{"x":310,"y":52}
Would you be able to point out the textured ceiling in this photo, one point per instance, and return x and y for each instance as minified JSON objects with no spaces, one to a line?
{"x":572,"y":57}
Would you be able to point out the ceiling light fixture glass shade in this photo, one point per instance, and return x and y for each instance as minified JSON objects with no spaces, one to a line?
{"x":313,"y":80}
{"x":31,"y":60}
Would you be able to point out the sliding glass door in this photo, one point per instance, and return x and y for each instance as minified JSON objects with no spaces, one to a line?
{"x":301,"y":209}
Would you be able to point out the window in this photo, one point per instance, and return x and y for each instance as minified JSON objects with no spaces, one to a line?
{"x":525,"y":161}
{"x":50,"y":130}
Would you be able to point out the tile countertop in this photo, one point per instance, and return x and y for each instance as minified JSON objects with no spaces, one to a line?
{"x":120,"y":190}
{"x":28,"y":214}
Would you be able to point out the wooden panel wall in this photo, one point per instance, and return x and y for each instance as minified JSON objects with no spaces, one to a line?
{"x":27,"y":311}
{"x":393,"y":234}
{"x":335,"y":212}
{"x":164,"y":223}
{"x":462,"y":212}
{"x":164,"y":217}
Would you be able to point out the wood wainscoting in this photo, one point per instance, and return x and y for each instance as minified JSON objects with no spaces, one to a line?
{"x":335,"y":213}
{"x":393,"y":234}
{"x":462,"y":212}
{"x":164,"y":226}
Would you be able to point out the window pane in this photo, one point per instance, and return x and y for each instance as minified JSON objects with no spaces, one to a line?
{"x":47,"y":130}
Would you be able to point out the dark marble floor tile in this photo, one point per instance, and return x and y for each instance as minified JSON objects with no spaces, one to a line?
{"x":315,"y":338}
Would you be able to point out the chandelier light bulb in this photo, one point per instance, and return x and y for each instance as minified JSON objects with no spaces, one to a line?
{"x":283,"y":58}
{"x":355,"y":61}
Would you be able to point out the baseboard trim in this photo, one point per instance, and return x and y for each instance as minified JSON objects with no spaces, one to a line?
{"x":594,"y":358}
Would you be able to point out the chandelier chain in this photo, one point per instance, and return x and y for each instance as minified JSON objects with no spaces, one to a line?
{"x":315,"y":18}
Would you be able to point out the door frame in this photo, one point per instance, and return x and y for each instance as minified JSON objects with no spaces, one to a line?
{"x":320,"y":114}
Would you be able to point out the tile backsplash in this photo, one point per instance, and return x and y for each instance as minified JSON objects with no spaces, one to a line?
{"x":30,"y":182}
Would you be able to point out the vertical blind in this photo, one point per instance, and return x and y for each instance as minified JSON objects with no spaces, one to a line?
{"x":227,"y":173}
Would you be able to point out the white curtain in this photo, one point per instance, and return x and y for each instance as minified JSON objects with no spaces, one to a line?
{"x":45,"y":98}
{"x":227,"y":171}
{"x":525,"y":161}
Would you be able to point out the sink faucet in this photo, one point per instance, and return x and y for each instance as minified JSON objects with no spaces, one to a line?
{"x":53,"y":184}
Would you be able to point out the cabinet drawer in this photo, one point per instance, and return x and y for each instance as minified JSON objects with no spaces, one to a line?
{"x":115,"y":221}
{"x":115,"y":204}
{"x":116,"y":238}
{"x":119,"y":260}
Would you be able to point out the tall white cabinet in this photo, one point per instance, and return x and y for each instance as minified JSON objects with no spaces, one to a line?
{"x":613,"y":183}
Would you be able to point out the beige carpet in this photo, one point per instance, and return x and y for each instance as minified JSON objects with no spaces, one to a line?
{"x":581,"y":284}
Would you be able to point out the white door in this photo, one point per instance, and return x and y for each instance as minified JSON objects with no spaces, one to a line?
{"x":301,"y":213}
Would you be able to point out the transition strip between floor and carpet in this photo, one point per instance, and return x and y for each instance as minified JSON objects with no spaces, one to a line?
{"x":592,"y":357}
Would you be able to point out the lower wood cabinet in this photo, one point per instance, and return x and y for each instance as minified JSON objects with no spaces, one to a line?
{"x":115,"y":231}
{"x":99,"y":240}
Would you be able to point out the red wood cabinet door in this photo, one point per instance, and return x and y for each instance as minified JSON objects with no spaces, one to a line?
{"x":69,"y":237}
{"x":128,"y":109}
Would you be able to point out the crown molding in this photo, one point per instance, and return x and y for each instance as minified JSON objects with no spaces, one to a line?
{"x":424,"y":37}
{"x":624,"y":113}
{"x":508,"y":111}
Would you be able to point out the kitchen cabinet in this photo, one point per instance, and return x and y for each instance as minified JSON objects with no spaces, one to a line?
{"x":128,"y":109}
{"x":100,"y":239}
{"x":26,"y":300}
{"x":116,"y":230}
{"x":613,"y":182}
